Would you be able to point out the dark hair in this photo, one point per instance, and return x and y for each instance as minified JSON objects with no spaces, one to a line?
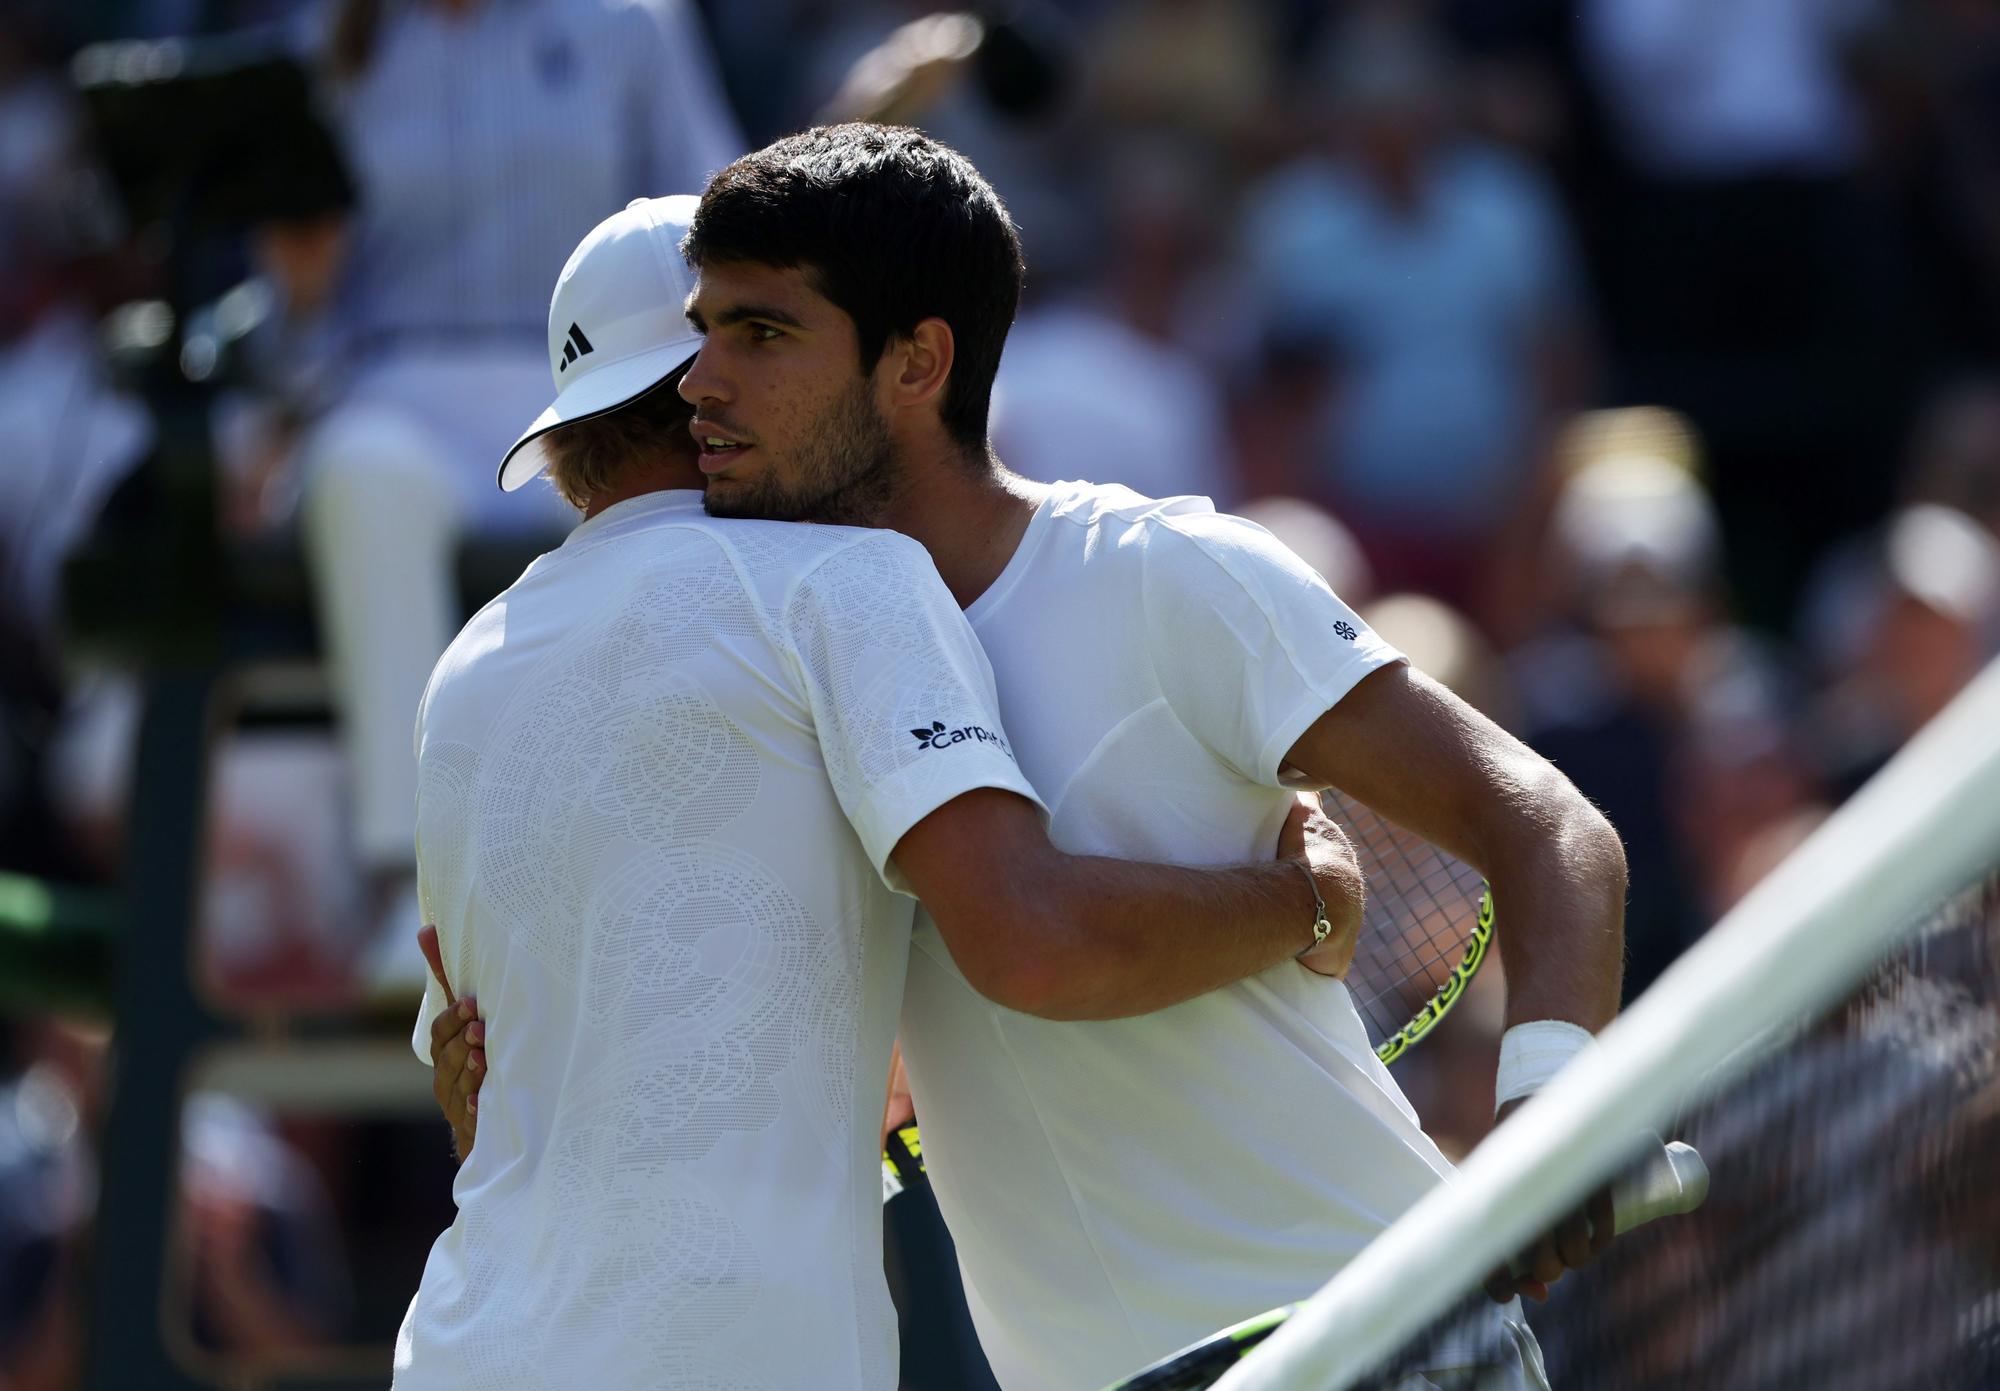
{"x":588,"y":456}
{"x":890,"y":225}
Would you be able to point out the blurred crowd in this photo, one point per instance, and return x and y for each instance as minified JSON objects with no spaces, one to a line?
{"x":1633,"y":364}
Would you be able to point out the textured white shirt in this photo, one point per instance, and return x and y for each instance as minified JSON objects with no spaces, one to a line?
{"x":1120,"y":1189}
{"x":660,"y":781}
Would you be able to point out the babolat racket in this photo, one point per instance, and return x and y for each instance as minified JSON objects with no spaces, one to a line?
{"x":1425,"y":928}
{"x":1673,"y":1179}
{"x":902,"y":1162}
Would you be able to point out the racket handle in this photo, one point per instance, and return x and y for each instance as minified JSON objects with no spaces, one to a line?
{"x":1673,"y":1179}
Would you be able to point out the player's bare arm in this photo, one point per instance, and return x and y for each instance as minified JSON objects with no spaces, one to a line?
{"x":1414,"y":752}
{"x":1060,"y":934}
{"x":1083,"y":937}
{"x":1407,"y":747}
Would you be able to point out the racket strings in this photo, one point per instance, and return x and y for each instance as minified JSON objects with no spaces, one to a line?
{"x":1418,"y":919}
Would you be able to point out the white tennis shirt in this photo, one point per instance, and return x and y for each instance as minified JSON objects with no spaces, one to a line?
{"x":660,"y":781}
{"x":1118,"y":1190}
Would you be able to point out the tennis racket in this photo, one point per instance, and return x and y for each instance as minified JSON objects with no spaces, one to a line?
{"x":1426,"y":928}
{"x":1673,"y":1179}
{"x":902,"y":1162}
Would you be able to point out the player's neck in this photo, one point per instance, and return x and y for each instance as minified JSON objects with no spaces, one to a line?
{"x":970,"y":514}
{"x":635,"y":482}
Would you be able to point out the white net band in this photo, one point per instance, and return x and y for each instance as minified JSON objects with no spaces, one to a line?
{"x":1924,"y":828}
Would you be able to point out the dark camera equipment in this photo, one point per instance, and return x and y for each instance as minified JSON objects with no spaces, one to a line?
{"x":1025,"y":59}
{"x":203,"y":139}
{"x":218,"y":133}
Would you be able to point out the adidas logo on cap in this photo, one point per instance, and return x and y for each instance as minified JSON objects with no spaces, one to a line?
{"x":629,"y":279}
{"x":575,"y":348}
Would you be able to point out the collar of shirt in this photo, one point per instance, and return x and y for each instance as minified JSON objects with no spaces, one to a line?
{"x":633,"y":508}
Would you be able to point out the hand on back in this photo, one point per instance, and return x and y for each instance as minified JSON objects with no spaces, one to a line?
{"x":458,"y":1053}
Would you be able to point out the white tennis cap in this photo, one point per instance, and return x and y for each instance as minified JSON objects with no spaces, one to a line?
{"x":617,"y":322}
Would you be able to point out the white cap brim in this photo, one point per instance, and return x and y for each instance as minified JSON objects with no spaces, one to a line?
{"x":606,"y":389}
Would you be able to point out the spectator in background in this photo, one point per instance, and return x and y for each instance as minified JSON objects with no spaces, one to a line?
{"x":268,"y":1266}
{"x":265,"y":1268}
{"x":1093,"y":377}
{"x":1955,"y":457}
{"x":1647,"y":695}
{"x":1438,"y":271}
{"x":1281,"y":392}
{"x":1926,"y":77}
{"x":1716,"y":92}
{"x":1895,"y":620}
{"x":1751,"y":278}
{"x":69,"y":436}
{"x":486,"y":136}
{"x":47,"y":1187}
{"x":1080,"y":391}
{"x":1200,"y":70}
{"x":1902,"y":633}
{"x":68,"y":728}
{"x":1744,"y":792}
{"x":996,"y":83}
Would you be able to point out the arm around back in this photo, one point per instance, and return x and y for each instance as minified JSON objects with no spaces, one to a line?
{"x":1084,"y":937}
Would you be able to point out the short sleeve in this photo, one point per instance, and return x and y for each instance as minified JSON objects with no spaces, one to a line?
{"x":1249,"y":644}
{"x":901,"y":693}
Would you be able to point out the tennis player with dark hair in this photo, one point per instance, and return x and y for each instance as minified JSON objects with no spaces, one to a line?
{"x":668,"y":786}
{"x":1120,"y":1189}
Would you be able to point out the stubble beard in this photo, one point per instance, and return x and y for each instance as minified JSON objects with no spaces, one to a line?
{"x":846,"y":475}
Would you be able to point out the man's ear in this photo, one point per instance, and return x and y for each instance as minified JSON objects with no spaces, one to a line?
{"x":918,"y":366}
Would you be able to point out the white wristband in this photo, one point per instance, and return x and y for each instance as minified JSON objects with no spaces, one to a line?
{"x":1532,"y":1053}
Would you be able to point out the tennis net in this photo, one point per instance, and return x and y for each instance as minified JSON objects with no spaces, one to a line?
{"x":1832,"y":1048}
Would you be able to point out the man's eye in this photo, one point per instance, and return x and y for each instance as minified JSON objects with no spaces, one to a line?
{"x":764,"y":333}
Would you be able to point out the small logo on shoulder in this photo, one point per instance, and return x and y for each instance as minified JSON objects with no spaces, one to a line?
{"x":1345,"y":629}
{"x":938,"y":737}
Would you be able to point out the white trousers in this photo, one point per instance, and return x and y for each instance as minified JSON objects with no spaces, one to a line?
{"x":395,"y":476}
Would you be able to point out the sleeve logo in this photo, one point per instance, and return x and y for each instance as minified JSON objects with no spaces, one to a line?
{"x":1345,"y":629}
{"x":938,"y":737}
